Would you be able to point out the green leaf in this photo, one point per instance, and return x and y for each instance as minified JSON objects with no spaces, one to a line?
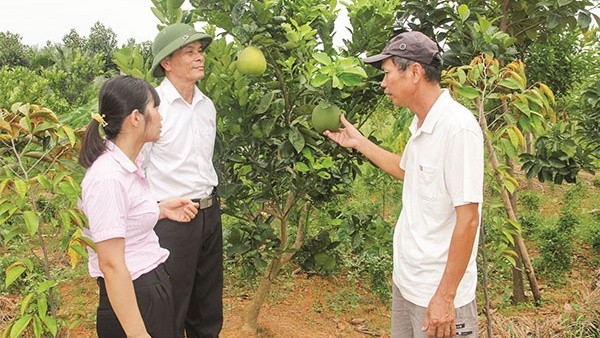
{"x":46,"y":285}
{"x":43,"y":127}
{"x":468,"y":92}
{"x":161,"y":17}
{"x":356,"y":70}
{"x":37,"y":327}
{"x":42,"y":302}
{"x":301,"y":167}
{"x":511,"y":83}
{"x":65,"y":217}
{"x":325,"y":163}
{"x":319,"y":80}
{"x":296,"y":138}
{"x":324,"y":174}
{"x":6,"y":333}
{"x":32,"y":222}
{"x":265,"y":103}
{"x":44,"y":182}
{"x":20,"y":326}
{"x":553,"y":20}
{"x":562,"y":3}
{"x":350,"y":80}
{"x":335,"y":83}
{"x":584,"y":19}
{"x":325,"y":261}
{"x":322,"y":58}
{"x":21,"y":187}
{"x":13,"y":272}
{"x":3,"y":184}
{"x":485,"y":25}
{"x":463,"y":12}
{"x":25,"y":303}
{"x":50,"y":324}
{"x":507,"y":147}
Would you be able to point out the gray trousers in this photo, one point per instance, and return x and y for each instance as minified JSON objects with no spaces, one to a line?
{"x":408,"y":318}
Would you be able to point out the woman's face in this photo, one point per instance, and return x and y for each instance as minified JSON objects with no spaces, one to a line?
{"x":153,"y":121}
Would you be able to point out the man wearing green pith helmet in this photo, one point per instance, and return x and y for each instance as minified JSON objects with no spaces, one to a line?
{"x":180,"y":164}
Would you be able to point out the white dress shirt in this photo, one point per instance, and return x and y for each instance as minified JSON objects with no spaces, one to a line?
{"x":180,"y":162}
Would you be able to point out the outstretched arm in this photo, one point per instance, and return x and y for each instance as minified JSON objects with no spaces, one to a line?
{"x":350,"y":137}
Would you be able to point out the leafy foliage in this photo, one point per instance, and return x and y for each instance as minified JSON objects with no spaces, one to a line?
{"x":20,"y":84}
{"x":318,"y":254}
{"x":556,"y":62}
{"x":12,"y":52}
{"x":556,"y":241}
{"x":101,"y":43}
{"x":36,"y":166}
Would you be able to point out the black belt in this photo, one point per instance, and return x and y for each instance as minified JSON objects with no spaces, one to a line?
{"x":208,"y":201}
{"x":149,"y":278}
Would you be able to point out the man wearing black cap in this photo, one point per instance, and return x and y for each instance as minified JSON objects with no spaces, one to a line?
{"x":435,"y":272}
{"x":180,"y":164}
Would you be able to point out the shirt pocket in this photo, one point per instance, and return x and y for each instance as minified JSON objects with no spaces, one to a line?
{"x":428,"y":182}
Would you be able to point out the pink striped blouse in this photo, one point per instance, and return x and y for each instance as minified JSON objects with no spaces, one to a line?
{"x":117,"y":201}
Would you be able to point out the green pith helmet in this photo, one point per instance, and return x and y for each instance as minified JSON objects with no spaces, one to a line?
{"x":172,"y":38}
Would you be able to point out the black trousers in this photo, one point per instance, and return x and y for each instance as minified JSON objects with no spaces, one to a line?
{"x":195,"y":265}
{"x":153,"y":292}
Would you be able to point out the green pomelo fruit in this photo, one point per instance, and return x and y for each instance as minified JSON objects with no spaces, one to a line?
{"x":251,"y":61}
{"x":326,"y":116}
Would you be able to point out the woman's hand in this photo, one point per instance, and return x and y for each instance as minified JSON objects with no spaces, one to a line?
{"x":178,"y":209}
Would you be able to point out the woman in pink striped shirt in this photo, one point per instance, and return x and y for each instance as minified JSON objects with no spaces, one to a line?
{"x":135,"y":290}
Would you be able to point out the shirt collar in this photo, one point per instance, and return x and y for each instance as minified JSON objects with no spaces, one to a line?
{"x":433,"y":116}
{"x":119,"y":156}
{"x":171,"y":94}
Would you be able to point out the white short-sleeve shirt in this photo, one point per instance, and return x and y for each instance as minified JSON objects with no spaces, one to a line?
{"x":117,"y":202}
{"x":443,"y":164}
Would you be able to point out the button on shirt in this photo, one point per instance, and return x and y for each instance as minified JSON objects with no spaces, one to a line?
{"x":180,"y":162}
{"x":117,"y":201}
{"x":443,"y":163}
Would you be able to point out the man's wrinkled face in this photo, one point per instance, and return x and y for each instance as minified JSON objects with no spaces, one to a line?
{"x":186,"y":63}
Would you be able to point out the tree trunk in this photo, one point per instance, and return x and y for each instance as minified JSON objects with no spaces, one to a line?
{"x":517,"y":271}
{"x":518,"y":282}
{"x":252,"y":311}
{"x":251,"y":314}
{"x":249,"y":324}
{"x":510,"y":212}
{"x":529,"y":150}
{"x":484,"y":273}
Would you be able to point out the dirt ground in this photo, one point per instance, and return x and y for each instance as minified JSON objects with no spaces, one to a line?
{"x":297,"y":307}
{"x":302,"y":306}
{"x":314,"y":307}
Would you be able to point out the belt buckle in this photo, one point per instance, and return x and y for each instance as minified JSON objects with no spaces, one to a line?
{"x":206,"y":202}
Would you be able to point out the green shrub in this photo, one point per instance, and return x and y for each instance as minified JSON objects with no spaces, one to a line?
{"x":556,"y":246}
{"x":318,"y":254}
{"x":367,"y":241}
{"x":530,"y":202}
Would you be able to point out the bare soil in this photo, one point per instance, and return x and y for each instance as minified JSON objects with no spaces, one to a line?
{"x":305,"y":306}
{"x":300,"y":306}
